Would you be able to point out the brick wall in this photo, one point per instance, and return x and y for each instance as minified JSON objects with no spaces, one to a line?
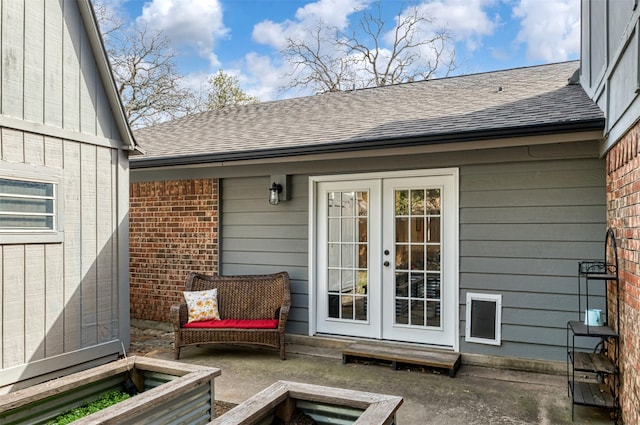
{"x":623,"y":204}
{"x":173,"y":230}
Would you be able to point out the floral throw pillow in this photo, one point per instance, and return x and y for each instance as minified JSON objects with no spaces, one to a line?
{"x":202,"y":305}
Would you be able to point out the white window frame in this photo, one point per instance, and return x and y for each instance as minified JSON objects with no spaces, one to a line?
{"x":496,"y":298}
{"x":26,"y":173}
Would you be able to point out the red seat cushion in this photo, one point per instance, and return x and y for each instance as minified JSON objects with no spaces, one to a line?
{"x":235,"y":324}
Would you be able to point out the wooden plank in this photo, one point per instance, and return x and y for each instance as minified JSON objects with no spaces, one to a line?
{"x":72,"y":247}
{"x":71,"y":66}
{"x":2,"y":285}
{"x":578,"y":232}
{"x":533,"y":198}
{"x":105,"y":229}
{"x":53,"y":156}
{"x":34,"y":287}
{"x":54,"y":306}
{"x":53,"y":59}
{"x":561,"y":250}
{"x":88,"y":242}
{"x":88,"y":83}
{"x":13,"y":320}
{"x":592,"y":394}
{"x":33,"y":149}
{"x":535,"y":179}
{"x":401,"y":355}
{"x":536,"y":214}
{"x":592,"y":362}
{"x":12,"y":145}
{"x":12,"y":58}
{"x":34,"y":61}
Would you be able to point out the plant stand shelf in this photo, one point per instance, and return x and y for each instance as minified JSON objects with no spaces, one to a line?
{"x":592,"y":394}
{"x":601,"y":362}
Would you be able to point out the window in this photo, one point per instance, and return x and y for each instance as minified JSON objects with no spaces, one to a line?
{"x":28,"y":207}
{"x":483,"y":320}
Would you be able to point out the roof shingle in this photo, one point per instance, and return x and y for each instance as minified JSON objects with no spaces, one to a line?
{"x":535,"y":96}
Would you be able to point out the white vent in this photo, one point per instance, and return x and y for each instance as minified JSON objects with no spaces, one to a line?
{"x":484,"y":318}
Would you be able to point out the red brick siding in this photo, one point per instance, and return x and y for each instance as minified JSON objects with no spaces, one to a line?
{"x":623,"y":204}
{"x":173,"y":230}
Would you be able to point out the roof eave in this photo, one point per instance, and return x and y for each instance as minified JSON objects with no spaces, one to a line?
{"x":104,"y":67}
{"x":596,"y":124}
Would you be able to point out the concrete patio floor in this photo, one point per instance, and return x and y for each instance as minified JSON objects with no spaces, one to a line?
{"x":477,"y":395}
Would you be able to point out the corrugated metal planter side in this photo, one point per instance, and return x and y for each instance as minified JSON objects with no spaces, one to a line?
{"x":326,"y":405}
{"x":169,"y":392}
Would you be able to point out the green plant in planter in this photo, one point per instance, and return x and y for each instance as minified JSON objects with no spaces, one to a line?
{"x":109,"y":399}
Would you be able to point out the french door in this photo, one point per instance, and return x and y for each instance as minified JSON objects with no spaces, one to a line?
{"x":386,"y":257}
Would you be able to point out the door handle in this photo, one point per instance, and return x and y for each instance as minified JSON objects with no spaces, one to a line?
{"x":386,"y":264}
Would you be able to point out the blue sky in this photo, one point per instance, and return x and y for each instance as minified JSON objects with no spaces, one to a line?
{"x":244,"y":37}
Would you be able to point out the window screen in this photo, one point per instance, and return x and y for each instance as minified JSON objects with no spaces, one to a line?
{"x":27,"y":206}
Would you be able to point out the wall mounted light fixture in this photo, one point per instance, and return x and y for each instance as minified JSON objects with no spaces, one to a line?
{"x":274,"y":193}
{"x":279,"y":190}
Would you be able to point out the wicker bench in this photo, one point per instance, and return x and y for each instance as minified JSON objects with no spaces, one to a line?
{"x":252,"y":299}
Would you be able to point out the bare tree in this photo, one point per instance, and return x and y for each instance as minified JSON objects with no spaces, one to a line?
{"x":371,"y":55}
{"x":147,"y":78}
{"x":144,"y":67}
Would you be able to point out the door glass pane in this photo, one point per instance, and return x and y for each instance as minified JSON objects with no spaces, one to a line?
{"x":402,"y":229}
{"x":347,"y":255}
{"x":417,"y":253}
{"x":417,"y":257}
{"x":347,"y":307}
{"x":433,"y":201}
{"x":433,"y":232}
{"x":362,"y":256}
{"x":417,"y":202}
{"x":363,"y":204}
{"x":417,"y":313}
{"x":417,"y":229}
{"x":402,"y":202}
{"x":402,"y":257}
{"x":334,"y":255}
{"x":402,"y":312}
{"x":402,"y":284}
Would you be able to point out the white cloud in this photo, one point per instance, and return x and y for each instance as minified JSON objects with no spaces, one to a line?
{"x":191,"y":24}
{"x":331,"y":13}
{"x":264,"y":79}
{"x":464,"y":19}
{"x":549,"y":28}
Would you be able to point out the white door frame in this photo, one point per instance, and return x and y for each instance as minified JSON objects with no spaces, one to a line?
{"x":451,"y":214}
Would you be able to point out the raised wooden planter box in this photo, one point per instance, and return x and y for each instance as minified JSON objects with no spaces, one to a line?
{"x":325,"y":405}
{"x":167,"y":391}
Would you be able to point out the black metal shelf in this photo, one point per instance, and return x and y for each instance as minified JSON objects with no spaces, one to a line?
{"x":602,"y":362}
{"x":581,"y":329}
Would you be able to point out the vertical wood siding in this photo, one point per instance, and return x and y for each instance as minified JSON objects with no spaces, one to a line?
{"x":57,"y":298}
{"x":49,"y":75}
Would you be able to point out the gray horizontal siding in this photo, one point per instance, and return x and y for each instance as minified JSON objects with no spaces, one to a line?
{"x":261,"y":238}
{"x":524,"y":225}
{"x":523,"y":229}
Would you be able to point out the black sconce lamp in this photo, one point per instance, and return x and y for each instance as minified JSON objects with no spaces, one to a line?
{"x":279,"y":190}
{"x":274,"y":193}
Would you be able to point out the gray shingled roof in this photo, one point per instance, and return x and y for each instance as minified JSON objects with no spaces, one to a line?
{"x":522,"y":101}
